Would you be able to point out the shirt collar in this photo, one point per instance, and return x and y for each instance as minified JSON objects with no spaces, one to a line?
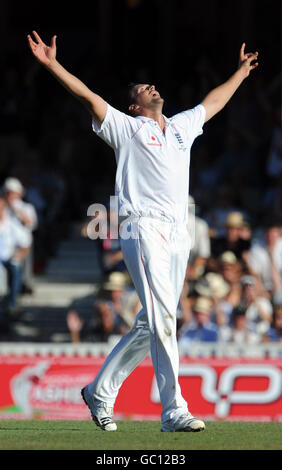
{"x":147,"y":119}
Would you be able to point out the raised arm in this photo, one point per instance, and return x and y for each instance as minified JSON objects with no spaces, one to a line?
{"x":46,"y":55}
{"x":219,"y":97}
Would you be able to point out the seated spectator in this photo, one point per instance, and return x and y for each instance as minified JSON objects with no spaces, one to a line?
{"x":24,"y":213}
{"x":258,"y":310}
{"x":232,"y":240}
{"x":213,"y":285}
{"x":15,"y":244}
{"x":231,"y":270}
{"x":121,"y":296}
{"x":200,"y":250}
{"x":240,"y":332}
{"x":200,"y":328}
{"x":114,"y":313}
{"x":266,"y":259}
{"x":275,"y":332}
{"x":105,"y":324}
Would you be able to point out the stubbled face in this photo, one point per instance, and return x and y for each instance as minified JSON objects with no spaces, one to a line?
{"x":146,"y":96}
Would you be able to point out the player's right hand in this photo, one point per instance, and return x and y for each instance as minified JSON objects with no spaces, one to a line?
{"x":43,"y":53}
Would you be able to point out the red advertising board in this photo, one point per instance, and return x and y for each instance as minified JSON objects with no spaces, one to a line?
{"x":48,"y":387}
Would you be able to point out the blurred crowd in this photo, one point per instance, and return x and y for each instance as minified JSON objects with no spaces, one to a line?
{"x":52,"y":168}
{"x":232,"y":290}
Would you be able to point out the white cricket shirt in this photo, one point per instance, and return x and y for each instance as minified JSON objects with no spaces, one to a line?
{"x":152,"y":177}
{"x":13,"y":235}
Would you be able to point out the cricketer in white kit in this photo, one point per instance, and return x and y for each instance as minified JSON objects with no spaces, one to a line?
{"x":152,"y":185}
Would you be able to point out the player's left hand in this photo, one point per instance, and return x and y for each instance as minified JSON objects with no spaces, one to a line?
{"x":247,"y":61}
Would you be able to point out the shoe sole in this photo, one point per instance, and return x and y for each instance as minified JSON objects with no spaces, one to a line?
{"x":92,"y":415}
{"x":94,"y":418}
{"x":187,"y":429}
{"x":184,"y":430}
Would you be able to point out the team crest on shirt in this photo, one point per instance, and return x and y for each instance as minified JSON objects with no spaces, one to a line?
{"x":180,"y":141}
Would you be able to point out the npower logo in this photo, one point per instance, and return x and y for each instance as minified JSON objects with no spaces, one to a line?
{"x":220,"y":390}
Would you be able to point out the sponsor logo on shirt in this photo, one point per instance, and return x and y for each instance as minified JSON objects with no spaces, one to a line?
{"x":154,"y":142}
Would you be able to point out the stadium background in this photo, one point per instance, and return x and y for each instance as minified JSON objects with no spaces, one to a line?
{"x":185,"y":48}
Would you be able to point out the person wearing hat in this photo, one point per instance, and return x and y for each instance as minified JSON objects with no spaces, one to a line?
{"x":23,"y":211}
{"x":108,"y":313}
{"x":231,"y":270}
{"x":214,"y":286}
{"x":232,"y":240}
{"x":200,"y":328}
{"x":26,"y":215}
{"x":15,"y":241}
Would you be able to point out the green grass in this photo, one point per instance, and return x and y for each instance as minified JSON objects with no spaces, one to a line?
{"x":135,"y":435}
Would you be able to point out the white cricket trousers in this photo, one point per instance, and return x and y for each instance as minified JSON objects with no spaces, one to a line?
{"x":156,"y":255}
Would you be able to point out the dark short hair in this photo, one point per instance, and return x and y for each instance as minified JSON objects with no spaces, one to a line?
{"x":238,"y":311}
{"x":131,"y":96}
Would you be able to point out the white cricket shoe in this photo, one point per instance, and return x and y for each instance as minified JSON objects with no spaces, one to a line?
{"x":100,"y":412}
{"x":186,"y":423}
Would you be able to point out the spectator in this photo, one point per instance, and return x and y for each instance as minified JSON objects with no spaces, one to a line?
{"x":100,"y":328}
{"x":240,"y":332}
{"x":200,"y":251}
{"x":231,"y":270}
{"x":115,"y":310}
{"x":258,"y":310}
{"x":275,"y":332}
{"x":25,"y":214}
{"x":266,"y":259}
{"x":121,"y":297}
{"x":15,"y":241}
{"x":232,"y":240}
{"x":200,"y":328}
{"x":213,"y":285}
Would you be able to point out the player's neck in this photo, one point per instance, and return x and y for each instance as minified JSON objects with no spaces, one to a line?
{"x":156,"y":115}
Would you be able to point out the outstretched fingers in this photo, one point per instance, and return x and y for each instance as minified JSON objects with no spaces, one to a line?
{"x":252,"y":57}
{"x":37,"y":37}
{"x":242,"y":51}
{"x":32,"y":44}
{"x":254,"y":66}
{"x":53,"y":41}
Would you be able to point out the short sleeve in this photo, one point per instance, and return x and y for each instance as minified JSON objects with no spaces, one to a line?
{"x":192,"y":120}
{"x":115,"y":129}
{"x":23,"y":237}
